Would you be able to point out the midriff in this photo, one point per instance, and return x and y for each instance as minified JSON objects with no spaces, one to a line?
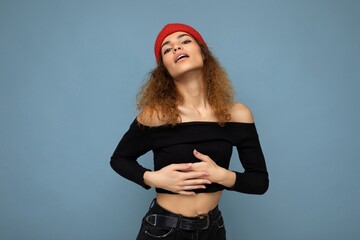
{"x":189,"y":206}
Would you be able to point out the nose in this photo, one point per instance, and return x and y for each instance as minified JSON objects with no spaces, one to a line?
{"x":176,"y":48}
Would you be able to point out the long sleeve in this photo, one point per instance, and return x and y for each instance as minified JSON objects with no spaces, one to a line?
{"x":134,"y":143}
{"x":254,"y":180}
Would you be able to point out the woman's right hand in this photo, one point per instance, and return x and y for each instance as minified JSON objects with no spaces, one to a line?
{"x":177,"y":178}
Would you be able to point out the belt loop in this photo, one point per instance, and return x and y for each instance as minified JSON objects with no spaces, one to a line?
{"x":179,"y":221}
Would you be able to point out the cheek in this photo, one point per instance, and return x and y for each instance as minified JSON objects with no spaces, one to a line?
{"x":168,"y":66}
{"x":199,"y":55}
{"x":166,"y":61}
{"x":200,"y":60}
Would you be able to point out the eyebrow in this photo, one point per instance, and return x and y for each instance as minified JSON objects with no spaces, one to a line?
{"x":178,"y":37}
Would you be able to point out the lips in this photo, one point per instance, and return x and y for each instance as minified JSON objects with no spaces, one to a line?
{"x":180,"y":56}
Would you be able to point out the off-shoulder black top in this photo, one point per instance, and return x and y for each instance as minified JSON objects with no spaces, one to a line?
{"x":175,"y":144}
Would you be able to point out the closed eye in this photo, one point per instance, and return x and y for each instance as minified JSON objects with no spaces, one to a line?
{"x":186,"y":41}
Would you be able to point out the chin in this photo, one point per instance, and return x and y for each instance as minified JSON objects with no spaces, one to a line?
{"x":186,"y":68}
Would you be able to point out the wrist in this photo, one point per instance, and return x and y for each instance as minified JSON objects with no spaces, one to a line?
{"x":148,"y":178}
{"x":227,"y":178}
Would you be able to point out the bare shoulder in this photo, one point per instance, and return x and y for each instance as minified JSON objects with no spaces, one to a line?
{"x":241,"y":113}
{"x":149,"y":117}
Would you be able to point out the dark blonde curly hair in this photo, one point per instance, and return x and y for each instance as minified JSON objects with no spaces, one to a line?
{"x":160,"y":96}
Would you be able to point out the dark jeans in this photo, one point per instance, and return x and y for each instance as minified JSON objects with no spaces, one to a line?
{"x":214,"y":230}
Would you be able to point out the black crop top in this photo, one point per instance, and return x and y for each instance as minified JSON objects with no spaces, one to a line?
{"x":175,"y":144}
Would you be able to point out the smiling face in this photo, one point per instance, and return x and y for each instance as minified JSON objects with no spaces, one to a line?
{"x":180,"y":54}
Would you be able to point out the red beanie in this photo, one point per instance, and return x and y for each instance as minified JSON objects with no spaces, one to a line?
{"x":171,"y":28}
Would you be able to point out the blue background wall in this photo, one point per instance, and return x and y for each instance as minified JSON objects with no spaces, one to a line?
{"x":69,"y":73}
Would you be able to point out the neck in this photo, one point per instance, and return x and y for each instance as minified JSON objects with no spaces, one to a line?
{"x":192,"y":87}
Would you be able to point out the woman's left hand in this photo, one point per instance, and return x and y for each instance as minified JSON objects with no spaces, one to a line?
{"x":216,"y":173}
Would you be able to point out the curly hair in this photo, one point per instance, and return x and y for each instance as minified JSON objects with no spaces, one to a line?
{"x":159,"y":93}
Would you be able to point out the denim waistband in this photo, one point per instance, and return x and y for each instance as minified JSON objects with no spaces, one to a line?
{"x":158,"y":216}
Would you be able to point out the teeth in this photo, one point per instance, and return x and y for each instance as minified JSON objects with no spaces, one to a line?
{"x":180,"y":56}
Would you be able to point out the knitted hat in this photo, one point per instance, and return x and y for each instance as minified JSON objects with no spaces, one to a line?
{"x":171,"y":28}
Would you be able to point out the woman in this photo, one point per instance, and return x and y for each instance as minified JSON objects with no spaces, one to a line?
{"x":189,"y":120}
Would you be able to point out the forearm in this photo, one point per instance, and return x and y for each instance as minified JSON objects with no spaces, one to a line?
{"x":129,"y":169}
{"x":251,"y":182}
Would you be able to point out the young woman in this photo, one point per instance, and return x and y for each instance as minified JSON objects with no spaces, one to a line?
{"x":187,"y":117}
